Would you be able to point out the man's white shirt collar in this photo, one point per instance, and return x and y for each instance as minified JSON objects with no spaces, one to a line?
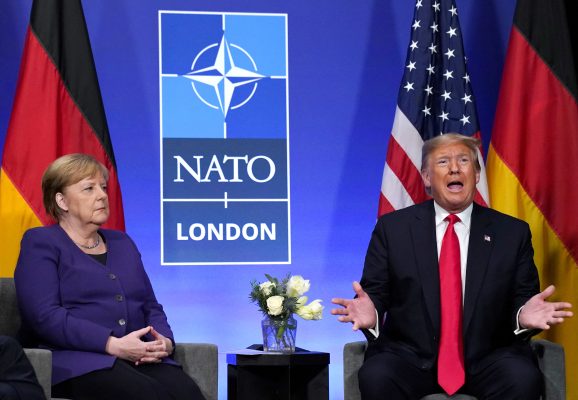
{"x":465,"y":216}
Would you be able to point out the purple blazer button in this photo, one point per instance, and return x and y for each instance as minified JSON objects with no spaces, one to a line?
{"x":122,"y":322}
{"x":119,"y":297}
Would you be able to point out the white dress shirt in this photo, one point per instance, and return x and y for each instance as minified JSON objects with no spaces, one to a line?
{"x":462,"y":229}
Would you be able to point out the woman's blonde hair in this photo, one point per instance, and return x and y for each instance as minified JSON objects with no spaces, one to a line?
{"x":65,"y":171}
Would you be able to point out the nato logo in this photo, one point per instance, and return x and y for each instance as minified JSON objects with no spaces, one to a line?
{"x":224,"y":138}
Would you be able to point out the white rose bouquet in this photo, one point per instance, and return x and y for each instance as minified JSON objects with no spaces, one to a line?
{"x":279,"y":300}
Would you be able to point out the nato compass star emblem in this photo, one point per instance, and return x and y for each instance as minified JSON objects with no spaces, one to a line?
{"x":224,"y":76}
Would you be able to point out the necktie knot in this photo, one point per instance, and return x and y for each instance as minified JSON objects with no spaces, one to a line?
{"x":452,"y":219}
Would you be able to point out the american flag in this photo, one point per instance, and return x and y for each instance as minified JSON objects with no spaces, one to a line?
{"x":435,"y":97}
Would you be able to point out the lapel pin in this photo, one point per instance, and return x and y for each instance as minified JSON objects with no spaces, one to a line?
{"x":487,"y":238}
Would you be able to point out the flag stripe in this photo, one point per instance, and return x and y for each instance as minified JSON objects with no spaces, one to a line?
{"x":407,"y":137}
{"x":406,"y":171}
{"x":15,"y":212}
{"x":546,"y":118}
{"x":67,"y":48}
{"x":57,"y":126}
{"x":513,"y":199}
{"x":384,"y":205}
{"x":555,"y":264}
{"x":393,"y":190}
{"x":547,"y":34}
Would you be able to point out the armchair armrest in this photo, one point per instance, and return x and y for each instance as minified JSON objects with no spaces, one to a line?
{"x":200,"y":362}
{"x":353,"y":355}
{"x":551,"y":360}
{"x":41,"y":361}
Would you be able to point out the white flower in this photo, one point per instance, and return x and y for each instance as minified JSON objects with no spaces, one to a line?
{"x":297,"y":286}
{"x":313,"y":310}
{"x":301,"y":301}
{"x":275,"y":305}
{"x":266,"y":287}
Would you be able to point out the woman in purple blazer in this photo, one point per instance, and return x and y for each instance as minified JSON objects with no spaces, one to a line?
{"x":84,"y":294}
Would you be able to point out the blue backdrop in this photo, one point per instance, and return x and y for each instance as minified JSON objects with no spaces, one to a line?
{"x":345,"y":65}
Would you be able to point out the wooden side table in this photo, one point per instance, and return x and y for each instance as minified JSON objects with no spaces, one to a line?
{"x":256,"y":375}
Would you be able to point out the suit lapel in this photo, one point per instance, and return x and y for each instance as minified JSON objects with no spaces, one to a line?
{"x":479,"y":250}
{"x":425,"y":251}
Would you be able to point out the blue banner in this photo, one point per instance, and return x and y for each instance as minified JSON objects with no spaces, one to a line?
{"x":224,"y":138}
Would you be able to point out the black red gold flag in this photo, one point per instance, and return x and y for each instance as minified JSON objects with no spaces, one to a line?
{"x":57,"y":110}
{"x":533,"y":157}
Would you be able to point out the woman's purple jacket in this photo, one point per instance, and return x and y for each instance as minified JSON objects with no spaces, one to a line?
{"x":72,"y":303}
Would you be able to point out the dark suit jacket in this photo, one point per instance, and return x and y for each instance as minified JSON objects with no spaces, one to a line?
{"x":73,"y":303}
{"x":401,"y":277}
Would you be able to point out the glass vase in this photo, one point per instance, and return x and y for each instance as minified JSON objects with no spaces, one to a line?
{"x":279,"y":334}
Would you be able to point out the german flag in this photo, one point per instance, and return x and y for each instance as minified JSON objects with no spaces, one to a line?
{"x":57,"y":110}
{"x":533,"y":157}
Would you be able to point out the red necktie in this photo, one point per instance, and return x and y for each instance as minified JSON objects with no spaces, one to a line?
{"x":451,"y":374}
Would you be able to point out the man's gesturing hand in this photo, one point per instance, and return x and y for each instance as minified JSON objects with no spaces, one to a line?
{"x":360,"y":310}
{"x":538,"y":313}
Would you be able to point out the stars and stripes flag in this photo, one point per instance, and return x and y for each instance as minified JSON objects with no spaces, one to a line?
{"x":435,"y":97}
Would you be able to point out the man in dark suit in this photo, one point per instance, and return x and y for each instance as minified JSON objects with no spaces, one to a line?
{"x":398,"y":302}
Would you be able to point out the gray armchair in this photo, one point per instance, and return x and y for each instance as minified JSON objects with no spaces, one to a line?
{"x":199,"y":360}
{"x":550,"y":357}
